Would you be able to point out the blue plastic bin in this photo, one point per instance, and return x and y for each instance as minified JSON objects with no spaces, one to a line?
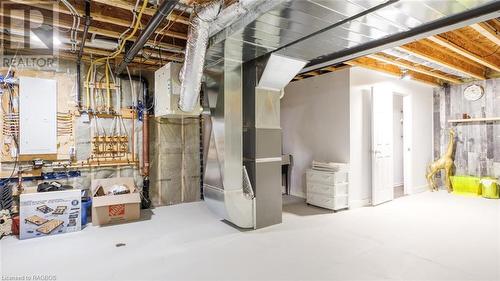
{"x":86,"y":204}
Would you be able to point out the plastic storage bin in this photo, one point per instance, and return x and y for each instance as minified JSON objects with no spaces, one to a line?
{"x":490,"y":188}
{"x":466,"y":185}
{"x":86,"y":205}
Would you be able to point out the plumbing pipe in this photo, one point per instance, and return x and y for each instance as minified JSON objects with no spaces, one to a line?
{"x":146,"y":202}
{"x":88,"y":20}
{"x":163,"y":11}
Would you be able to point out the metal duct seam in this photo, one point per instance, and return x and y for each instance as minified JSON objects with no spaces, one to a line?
{"x":196,"y":47}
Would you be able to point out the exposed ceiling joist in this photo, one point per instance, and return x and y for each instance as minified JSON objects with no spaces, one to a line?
{"x":433,"y":54}
{"x":65,"y":24}
{"x":374,"y":64}
{"x":93,"y":51}
{"x":130,"y":6}
{"x":417,"y":68}
{"x":98,"y":16}
{"x":102,"y":32}
{"x":142,"y":66}
{"x":487,"y":31}
{"x":459,"y":50}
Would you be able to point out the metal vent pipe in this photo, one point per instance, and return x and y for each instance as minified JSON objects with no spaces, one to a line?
{"x":196,"y":47}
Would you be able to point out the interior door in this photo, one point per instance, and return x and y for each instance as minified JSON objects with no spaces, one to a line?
{"x":382,"y":143}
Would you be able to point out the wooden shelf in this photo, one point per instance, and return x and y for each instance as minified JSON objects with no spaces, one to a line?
{"x":471,"y":120}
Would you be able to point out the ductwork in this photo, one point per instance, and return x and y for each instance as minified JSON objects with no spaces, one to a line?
{"x":196,"y":47}
{"x":232,"y":13}
{"x":207,"y":21}
{"x":227,"y":190}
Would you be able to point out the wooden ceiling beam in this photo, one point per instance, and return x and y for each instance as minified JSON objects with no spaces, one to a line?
{"x":132,"y":65}
{"x":488,"y":32}
{"x":474,"y":42}
{"x":433,"y":54}
{"x":408,"y":65}
{"x":148,"y":11}
{"x":92,"y":29}
{"x":98,"y":16}
{"x":98,"y":31}
{"x":466,"y":53}
{"x":65,"y":49}
{"x":393,"y":70}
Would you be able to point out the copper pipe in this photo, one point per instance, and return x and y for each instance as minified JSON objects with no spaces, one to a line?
{"x":133,"y":135}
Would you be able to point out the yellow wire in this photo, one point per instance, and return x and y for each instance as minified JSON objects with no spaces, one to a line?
{"x":119,"y":50}
{"x":108,"y":88}
{"x":91,"y":72}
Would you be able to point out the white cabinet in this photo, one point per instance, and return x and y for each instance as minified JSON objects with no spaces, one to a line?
{"x":328,"y":190}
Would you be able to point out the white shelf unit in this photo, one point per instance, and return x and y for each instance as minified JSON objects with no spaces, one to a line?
{"x":328,"y":190}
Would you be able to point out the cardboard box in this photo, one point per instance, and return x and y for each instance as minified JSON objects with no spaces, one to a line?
{"x":109,"y":209}
{"x":49,"y":213}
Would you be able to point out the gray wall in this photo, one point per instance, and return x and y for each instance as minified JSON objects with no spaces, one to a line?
{"x":477,"y":150}
{"x":315,"y":123}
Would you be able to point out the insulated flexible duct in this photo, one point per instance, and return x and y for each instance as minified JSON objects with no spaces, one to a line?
{"x":196,"y":47}
{"x":207,"y":21}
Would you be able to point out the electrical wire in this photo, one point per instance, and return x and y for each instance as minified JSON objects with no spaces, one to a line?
{"x":162,"y":32}
{"x":121,"y":46}
{"x":75,"y":26}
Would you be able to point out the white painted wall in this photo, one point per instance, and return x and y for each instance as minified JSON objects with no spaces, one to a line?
{"x":361,"y":81}
{"x":315,"y":123}
{"x":398,"y":140}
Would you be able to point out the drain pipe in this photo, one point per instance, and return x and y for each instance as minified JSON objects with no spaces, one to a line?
{"x":145,"y":200}
{"x":163,"y":11}
{"x":88,"y":20}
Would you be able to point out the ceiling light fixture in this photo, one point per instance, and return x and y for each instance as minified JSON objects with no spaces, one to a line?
{"x":405,"y":74}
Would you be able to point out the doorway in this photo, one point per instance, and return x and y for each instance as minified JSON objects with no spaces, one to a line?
{"x":391,"y":144}
{"x":398,"y":147}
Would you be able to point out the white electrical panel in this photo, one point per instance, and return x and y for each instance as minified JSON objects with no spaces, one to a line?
{"x":167,"y":92}
{"x":37,"y":116}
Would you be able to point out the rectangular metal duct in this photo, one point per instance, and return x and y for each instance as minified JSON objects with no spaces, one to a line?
{"x":289,"y":21}
{"x":279,"y":71}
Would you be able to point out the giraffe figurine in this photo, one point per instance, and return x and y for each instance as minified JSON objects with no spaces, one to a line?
{"x":445,"y":162}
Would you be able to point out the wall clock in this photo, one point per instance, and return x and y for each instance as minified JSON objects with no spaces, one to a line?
{"x":473,"y":92}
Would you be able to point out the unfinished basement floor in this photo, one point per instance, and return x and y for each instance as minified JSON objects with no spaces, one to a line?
{"x":428,"y":236}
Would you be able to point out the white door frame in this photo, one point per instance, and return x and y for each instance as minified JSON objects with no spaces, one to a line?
{"x":407,"y":142}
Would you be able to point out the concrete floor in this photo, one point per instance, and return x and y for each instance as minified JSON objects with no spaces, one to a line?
{"x":428,"y":236}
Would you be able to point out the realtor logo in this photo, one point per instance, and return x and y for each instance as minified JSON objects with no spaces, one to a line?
{"x":28,"y":35}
